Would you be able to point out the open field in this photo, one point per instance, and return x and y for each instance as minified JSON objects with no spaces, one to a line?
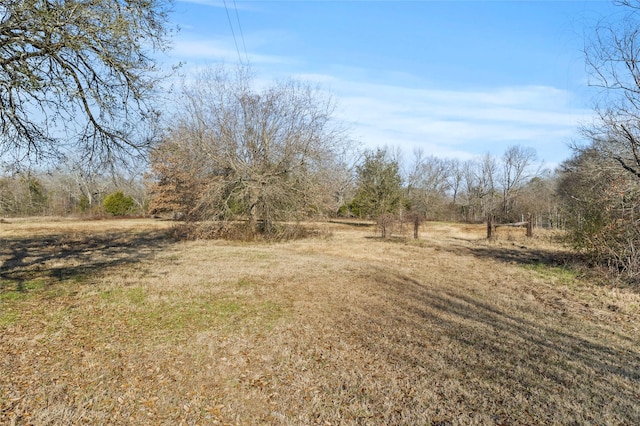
{"x":113,"y":322}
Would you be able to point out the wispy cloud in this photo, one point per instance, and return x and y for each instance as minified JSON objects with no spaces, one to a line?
{"x":458,"y":123}
{"x":204,"y":50}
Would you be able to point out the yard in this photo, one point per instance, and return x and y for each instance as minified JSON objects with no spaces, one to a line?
{"x":115,"y":322}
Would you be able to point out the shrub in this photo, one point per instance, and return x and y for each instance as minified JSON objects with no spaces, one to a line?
{"x":243,"y":231}
{"x":118,"y":204}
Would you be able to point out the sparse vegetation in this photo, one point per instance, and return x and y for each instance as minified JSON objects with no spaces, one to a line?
{"x":113,"y":321}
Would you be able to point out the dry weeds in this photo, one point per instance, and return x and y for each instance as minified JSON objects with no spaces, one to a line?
{"x":111,"y":323}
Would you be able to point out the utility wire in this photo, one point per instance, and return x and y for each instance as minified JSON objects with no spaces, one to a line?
{"x":232,"y":32}
{"x":241,"y":34}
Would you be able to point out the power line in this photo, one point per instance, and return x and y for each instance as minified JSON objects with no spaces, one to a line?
{"x":232,"y":32}
{"x":241,"y":34}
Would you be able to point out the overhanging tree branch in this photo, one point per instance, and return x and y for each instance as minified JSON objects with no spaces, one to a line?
{"x":78,"y":74}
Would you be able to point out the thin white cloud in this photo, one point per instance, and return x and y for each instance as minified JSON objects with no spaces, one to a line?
{"x":218,"y":50}
{"x":459,"y":123}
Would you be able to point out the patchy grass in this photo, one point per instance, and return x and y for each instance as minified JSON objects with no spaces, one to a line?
{"x":552,"y":273}
{"x":8,"y":317}
{"x":447,"y":330}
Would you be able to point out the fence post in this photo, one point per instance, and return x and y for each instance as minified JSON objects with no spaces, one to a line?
{"x":489,"y":226}
{"x":530,"y":225}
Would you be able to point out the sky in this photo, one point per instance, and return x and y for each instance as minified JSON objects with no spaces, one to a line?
{"x":457,"y":79}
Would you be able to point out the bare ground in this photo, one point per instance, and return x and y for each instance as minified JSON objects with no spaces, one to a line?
{"x":111,"y":322}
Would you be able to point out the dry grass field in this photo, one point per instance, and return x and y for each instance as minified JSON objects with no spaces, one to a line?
{"x":113,"y":322}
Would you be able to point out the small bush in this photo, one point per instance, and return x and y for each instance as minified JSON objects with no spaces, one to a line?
{"x":118,"y":204}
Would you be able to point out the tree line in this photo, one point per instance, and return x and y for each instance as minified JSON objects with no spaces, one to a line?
{"x":234,"y":153}
{"x":265,"y":156}
{"x":72,"y":190}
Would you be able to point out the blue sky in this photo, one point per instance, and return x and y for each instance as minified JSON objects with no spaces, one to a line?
{"x":457,"y":79}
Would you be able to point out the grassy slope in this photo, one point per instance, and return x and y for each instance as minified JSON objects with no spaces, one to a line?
{"x":110,"y":322}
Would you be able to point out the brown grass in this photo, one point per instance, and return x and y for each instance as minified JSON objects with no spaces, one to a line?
{"x":111,"y":322}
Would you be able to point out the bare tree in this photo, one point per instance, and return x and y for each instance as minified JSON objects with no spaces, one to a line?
{"x":78,"y":75}
{"x":342,"y":179}
{"x":428,"y":183}
{"x":539,"y":197}
{"x":472,"y":192}
{"x":488,"y":175}
{"x":263,"y":155}
{"x":480,"y":187}
{"x":456,"y":178}
{"x":516,"y":172}
{"x":602,"y":201}
{"x":613,"y":59}
{"x":599,"y":185}
{"x":90,"y":184}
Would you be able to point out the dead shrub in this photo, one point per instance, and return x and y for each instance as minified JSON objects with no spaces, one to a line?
{"x":391,"y":225}
{"x":243,"y":231}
